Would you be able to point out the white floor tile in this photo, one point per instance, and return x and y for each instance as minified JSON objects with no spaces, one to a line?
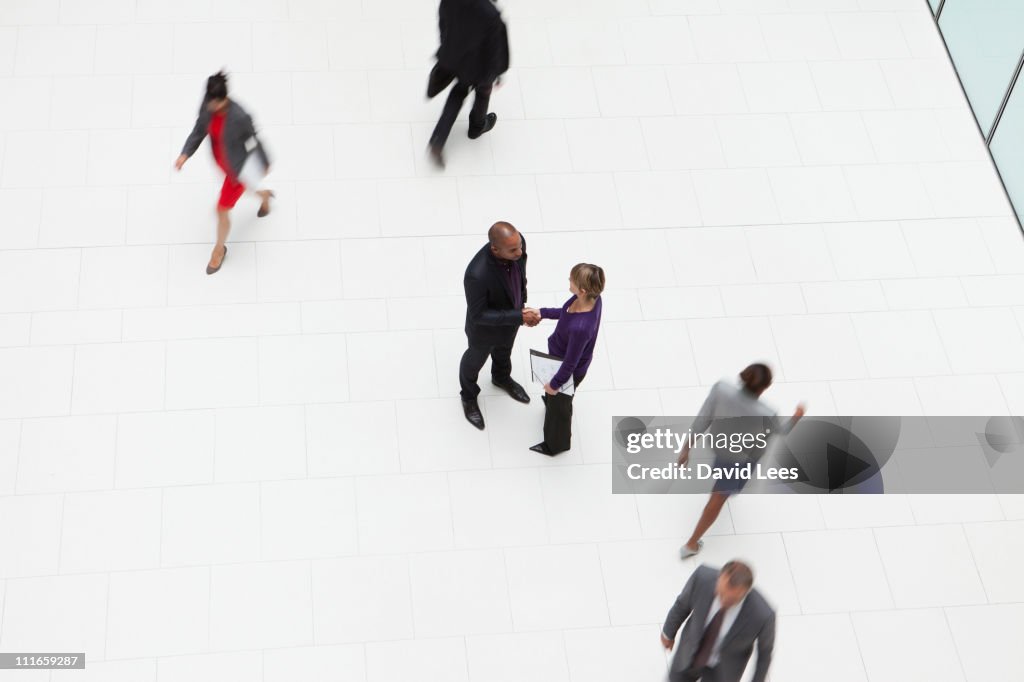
{"x":386,"y":527}
{"x":900,"y":344}
{"x":543,"y":599}
{"x":158,"y":613}
{"x":812,"y":346}
{"x":430,"y":660}
{"x":351,"y":438}
{"x":35,"y":382}
{"x":119,"y":377}
{"x":822,"y":560}
{"x":985,"y":638}
{"x":214,"y":373}
{"x":283,"y":616}
{"x":663,"y":199}
{"x":210,"y":524}
{"x":950,"y":581}
{"x":723,"y":347}
{"x":72,"y":453}
{"x":717,"y":191}
{"x":74,"y":327}
{"x":798,"y":36}
{"x":585,"y":41}
{"x":781,"y":87}
{"x":706,"y":89}
{"x":827,"y":648}
{"x":316,"y":664}
{"x":280,"y":277}
{"x":665,"y":40}
{"x":728,"y":38}
{"x":32,"y":524}
{"x":997,"y":350}
{"x":579,"y":202}
{"x":995,"y":547}
{"x":512,"y":657}
{"x":759,"y":141}
{"x":503,"y":508}
{"x":380,"y":150}
{"x":579,"y":508}
{"x":888,"y":192}
{"x":110,"y":531}
{"x":261,"y":443}
{"x":226,"y":667}
{"x":566,"y":92}
{"x":780,"y":251}
{"x":896,"y":645}
{"x":362,"y":599}
{"x":38,"y":280}
{"x":164,"y":448}
{"x":395,"y":365}
{"x":311,"y":368}
{"x":308,"y":519}
{"x":69,"y":611}
{"x":632,"y":91}
{"x":613,"y":653}
{"x":531,"y":147}
{"x":853,"y":85}
{"x":462,"y":592}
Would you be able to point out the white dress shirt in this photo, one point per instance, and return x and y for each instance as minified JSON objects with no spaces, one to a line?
{"x":727,"y":621}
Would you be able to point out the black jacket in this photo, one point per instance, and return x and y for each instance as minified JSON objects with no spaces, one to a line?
{"x":491,"y":318}
{"x":240,"y":138}
{"x":474,"y":41}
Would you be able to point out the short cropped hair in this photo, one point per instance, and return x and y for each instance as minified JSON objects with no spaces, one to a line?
{"x":588,"y":277}
{"x":739,"y":574}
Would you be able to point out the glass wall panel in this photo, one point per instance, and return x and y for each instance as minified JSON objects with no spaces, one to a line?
{"x":1008,"y":148}
{"x":935,"y":5}
{"x":985,"y":38}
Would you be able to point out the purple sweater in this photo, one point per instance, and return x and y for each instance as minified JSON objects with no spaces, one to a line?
{"x":573,"y":340}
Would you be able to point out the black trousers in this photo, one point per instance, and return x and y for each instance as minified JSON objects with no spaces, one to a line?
{"x":453,"y":105}
{"x":473,"y":361}
{"x":557,"y":422}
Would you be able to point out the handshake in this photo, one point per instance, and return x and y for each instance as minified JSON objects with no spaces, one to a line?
{"x":531,"y":317}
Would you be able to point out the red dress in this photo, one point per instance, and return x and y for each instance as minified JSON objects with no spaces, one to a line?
{"x":232,"y":189}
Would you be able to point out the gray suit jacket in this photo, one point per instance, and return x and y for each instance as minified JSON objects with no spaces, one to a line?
{"x":239,"y":136}
{"x":755,"y":621}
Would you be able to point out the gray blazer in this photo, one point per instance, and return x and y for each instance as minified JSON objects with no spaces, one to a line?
{"x":755,"y":621}
{"x":239,"y":136}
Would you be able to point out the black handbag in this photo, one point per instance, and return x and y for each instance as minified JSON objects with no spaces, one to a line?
{"x":440,"y":78}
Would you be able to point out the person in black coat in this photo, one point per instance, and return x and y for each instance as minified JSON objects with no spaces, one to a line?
{"x":474,"y":52}
{"x":495,"y":284}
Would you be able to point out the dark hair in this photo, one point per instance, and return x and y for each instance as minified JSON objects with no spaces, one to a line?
{"x":588,"y":277}
{"x":756,"y":378}
{"x":216,"y":86}
{"x":739,"y":574}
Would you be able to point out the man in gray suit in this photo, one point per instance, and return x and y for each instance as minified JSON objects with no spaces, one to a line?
{"x":724,"y":616}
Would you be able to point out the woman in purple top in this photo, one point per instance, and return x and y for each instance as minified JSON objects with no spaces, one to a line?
{"x":573,"y":340}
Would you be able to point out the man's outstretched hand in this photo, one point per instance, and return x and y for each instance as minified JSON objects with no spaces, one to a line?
{"x":531,"y":317}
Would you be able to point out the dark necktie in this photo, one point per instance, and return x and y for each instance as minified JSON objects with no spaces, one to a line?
{"x":707,"y":642}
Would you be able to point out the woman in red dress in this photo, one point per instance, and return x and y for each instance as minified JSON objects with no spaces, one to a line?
{"x":237,"y":151}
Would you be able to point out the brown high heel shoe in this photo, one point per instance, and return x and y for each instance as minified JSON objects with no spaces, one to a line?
{"x":265,"y":206}
{"x":210,"y":270}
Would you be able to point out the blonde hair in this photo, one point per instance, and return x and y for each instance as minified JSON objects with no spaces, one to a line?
{"x":589,"y":278}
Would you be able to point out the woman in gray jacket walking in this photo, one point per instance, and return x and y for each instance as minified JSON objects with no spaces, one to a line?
{"x":238,"y":153}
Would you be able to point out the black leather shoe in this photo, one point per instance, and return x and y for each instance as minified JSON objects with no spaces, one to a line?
{"x":542,"y":448}
{"x":434,"y":151}
{"x":488,"y":124}
{"x":513,"y":389}
{"x":472,"y":411}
